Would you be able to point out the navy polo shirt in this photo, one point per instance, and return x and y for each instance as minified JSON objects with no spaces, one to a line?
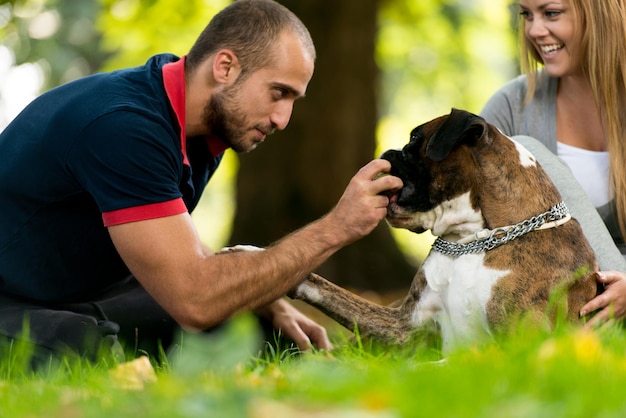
{"x":103,"y":150}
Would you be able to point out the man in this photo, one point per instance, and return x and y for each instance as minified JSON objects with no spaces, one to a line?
{"x":99,"y":177}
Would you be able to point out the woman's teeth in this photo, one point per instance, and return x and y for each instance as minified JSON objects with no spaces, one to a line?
{"x":546,"y":49}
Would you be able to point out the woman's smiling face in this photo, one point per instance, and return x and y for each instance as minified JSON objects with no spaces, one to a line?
{"x":550,"y":26}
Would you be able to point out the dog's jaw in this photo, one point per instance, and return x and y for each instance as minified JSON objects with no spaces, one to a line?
{"x":453,"y":219}
{"x":400,"y":217}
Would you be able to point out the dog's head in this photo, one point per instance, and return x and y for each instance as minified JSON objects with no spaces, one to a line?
{"x":441,"y":170}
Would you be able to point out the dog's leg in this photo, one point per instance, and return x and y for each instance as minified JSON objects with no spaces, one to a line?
{"x":384,"y":323}
{"x":389,"y":324}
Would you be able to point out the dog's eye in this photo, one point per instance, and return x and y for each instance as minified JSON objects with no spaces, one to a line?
{"x":412,"y":148}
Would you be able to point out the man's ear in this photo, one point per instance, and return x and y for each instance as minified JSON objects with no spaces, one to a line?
{"x":226,"y":66}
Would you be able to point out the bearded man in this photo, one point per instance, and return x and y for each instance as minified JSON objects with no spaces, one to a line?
{"x":99,"y":177}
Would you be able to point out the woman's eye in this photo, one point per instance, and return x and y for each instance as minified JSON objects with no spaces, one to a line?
{"x":552,"y":13}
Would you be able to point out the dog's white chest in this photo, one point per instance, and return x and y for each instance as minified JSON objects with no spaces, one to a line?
{"x":457,"y":294}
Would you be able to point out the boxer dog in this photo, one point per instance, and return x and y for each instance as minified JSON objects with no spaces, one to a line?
{"x":507,"y":248}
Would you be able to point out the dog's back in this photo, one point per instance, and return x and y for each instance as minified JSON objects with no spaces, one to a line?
{"x":547,"y":265}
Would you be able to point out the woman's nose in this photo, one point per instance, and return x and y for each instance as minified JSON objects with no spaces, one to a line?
{"x":536,"y":28}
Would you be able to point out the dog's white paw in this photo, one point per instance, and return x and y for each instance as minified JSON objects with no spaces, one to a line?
{"x":237,"y":248}
{"x":307,"y":292}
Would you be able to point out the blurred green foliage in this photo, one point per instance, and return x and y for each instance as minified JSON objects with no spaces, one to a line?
{"x":138,"y":29}
{"x":59,"y":35}
{"x":438,"y":54}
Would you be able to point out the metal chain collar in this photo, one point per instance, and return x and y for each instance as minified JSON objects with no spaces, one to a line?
{"x":502,"y":235}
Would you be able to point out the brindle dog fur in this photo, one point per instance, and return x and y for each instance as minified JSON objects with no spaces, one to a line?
{"x":461,"y":175}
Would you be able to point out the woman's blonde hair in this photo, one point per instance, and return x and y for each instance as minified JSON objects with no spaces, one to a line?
{"x":602,"y":27}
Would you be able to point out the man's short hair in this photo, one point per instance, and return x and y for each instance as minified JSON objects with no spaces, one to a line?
{"x":250,"y":29}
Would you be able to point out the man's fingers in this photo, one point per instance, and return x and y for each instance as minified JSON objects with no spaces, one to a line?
{"x":385,"y":183}
{"x":375,"y":167}
{"x":301,"y":339}
{"x":320,"y":338}
{"x":309,"y":334}
{"x":381,"y":202}
{"x":318,"y":335}
{"x":371,"y":173}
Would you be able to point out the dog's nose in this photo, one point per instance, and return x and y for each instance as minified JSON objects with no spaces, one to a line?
{"x":389,"y":155}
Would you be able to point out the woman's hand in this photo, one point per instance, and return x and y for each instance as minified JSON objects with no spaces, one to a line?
{"x":611,"y":304}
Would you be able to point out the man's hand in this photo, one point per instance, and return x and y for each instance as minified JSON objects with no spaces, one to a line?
{"x":363,"y":204}
{"x":294,"y":324}
{"x":611,"y":303}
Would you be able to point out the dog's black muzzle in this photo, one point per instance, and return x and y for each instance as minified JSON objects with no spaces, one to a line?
{"x":414,"y":175}
{"x":397,"y":163}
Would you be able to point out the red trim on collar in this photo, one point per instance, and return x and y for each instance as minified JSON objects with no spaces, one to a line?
{"x":174,"y":82}
{"x":216,"y":145}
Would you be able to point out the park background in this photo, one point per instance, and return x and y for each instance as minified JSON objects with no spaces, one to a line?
{"x":383,"y":67}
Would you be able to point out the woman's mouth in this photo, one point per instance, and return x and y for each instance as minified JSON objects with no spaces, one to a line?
{"x":548,"y":50}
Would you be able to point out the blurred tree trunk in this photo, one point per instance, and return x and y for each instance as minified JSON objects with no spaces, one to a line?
{"x":299,"y":174}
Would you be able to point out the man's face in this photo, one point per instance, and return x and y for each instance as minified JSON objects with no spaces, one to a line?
{"x":242,"y":114}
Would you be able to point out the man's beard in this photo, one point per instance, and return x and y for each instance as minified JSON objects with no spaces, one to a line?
{"x":225,"y":119}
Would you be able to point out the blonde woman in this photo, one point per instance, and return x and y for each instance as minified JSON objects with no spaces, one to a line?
{"x":571,"y":102}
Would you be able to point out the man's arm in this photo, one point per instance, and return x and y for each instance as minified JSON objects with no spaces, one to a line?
{"x":201,"y":289}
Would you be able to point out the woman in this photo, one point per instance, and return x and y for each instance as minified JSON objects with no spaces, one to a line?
{"x":576,"y":106}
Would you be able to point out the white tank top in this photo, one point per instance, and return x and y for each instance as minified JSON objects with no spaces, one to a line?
{"x":591,"y":169}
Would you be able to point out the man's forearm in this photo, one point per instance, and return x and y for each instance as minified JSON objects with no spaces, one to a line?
{"x":259,"y":278}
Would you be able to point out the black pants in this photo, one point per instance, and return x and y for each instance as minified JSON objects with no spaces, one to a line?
{"x":125,"y":316}
{"x":125,"y":319}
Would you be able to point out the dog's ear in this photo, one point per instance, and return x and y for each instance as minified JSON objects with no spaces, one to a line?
{"x":460,"y":127}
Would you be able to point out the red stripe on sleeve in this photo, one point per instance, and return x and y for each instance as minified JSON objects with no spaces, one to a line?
{"x":144,"y":212}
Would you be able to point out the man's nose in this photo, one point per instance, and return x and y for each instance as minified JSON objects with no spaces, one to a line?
{"x":281,"y":115}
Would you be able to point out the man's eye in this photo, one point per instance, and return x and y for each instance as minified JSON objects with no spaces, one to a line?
{"x":278,"y":94}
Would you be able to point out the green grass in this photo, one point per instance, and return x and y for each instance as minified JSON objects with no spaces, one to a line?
{"x":568,"y":373}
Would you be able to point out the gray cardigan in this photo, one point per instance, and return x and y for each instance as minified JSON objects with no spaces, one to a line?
{"x":537,"y":119}
{"x":534,"y":125}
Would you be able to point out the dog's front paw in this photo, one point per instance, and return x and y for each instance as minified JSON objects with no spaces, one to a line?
{"x":238,"y":248}
{"x":306,"y":291}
